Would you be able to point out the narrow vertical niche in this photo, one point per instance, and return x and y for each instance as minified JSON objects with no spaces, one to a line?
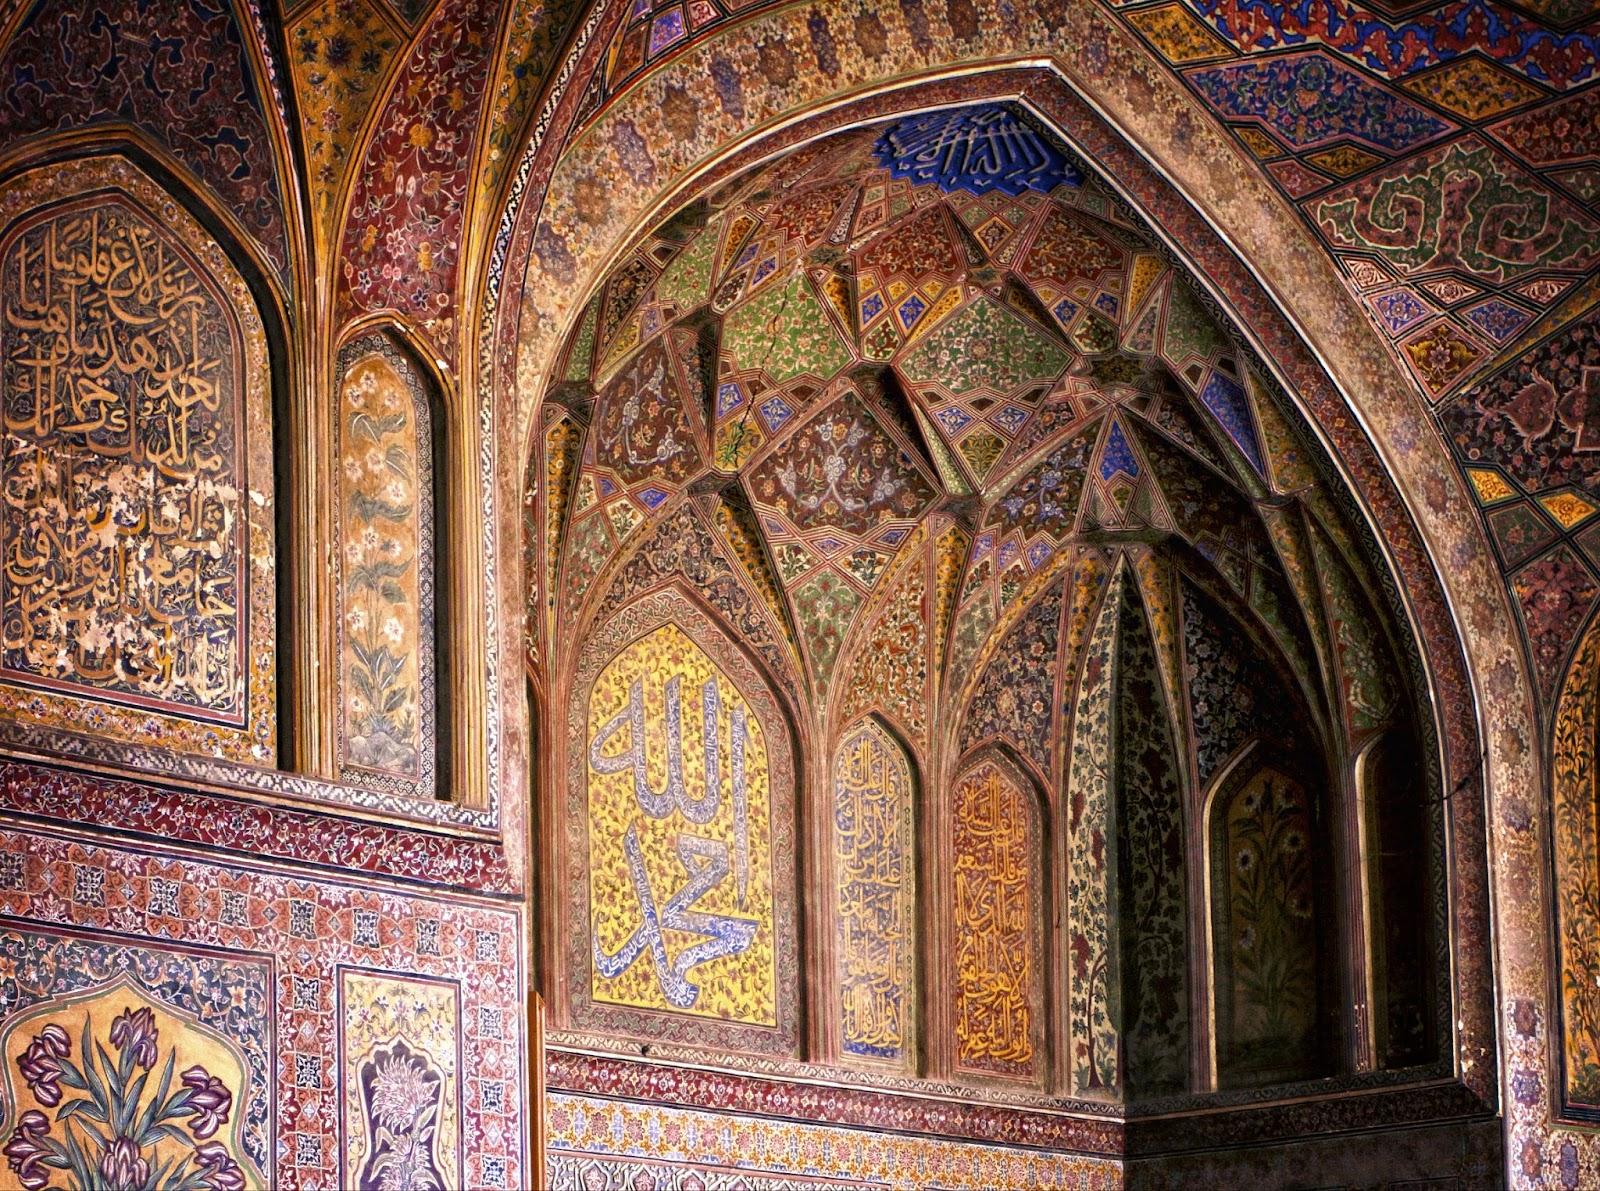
{"x":388,"y":589}
{"x":1391,"y":783}
{"x":1270,"y":929}
{"x":997,"y":916}
{"x":874,"y":866}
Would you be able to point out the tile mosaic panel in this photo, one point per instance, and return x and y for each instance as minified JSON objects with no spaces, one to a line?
{"x":608,"y":1143}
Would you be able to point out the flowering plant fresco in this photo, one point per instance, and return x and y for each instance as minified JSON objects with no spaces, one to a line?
{"x":1267,"y":1012}
{"x":112,"y":1127}
{"x":386,"y":509}
{"x":401,"y":1090}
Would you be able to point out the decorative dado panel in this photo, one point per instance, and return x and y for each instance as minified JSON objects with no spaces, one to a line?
{"x":173,"y":1042}
{"x":680,"y":840}
{"x":387,"y":534}
{"x":610,"y":1145}
{"x":273,"y":995}
{"x":137,"y":526}
{"x":400,"y":1055}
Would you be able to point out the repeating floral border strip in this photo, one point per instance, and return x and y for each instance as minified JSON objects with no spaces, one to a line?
{"x":268,"y":831}
{"x":746,"y":1148}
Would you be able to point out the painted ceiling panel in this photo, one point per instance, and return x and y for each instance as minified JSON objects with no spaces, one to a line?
{"x":73,"y":65}
{"x":993,"y":399}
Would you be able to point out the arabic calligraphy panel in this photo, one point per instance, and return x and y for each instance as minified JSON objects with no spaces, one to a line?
{"x":386,"y":588}
{"x":874,"y":862}
{"x":136,"y":525}
{"x":680,"y":864}
{"x":997,"y":928}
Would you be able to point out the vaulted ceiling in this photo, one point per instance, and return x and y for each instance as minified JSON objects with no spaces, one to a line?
{"x":873,"y":353}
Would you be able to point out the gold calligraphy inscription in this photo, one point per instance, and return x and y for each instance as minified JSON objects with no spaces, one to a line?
{"x":680,"y":852}
{"x":873,"y":858}
{"x":123,"y":521}
{"x":997,"y":937}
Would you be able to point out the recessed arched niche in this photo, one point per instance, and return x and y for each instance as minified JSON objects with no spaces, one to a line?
{"x":137,"y":528}
{"x":680,"y":812}
{"x":874,"y":862}
{"x":997,"y":914}
{"x":389,"y":517}
{"x":1078,"y":636}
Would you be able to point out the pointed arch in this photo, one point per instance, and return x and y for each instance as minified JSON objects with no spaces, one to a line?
{"x":679,"y":807}
{"x":1271,"y":938}
{"x":390,"y":517}
{"x":874,"y":861}
{"x":153,"y":501}
{"x":997,"y":913}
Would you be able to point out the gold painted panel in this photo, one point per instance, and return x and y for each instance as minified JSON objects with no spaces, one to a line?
{"x":996,"y":912}
{"x":137,"y":522}
{"x":116,"y":1056}
{"x":679,"y":824}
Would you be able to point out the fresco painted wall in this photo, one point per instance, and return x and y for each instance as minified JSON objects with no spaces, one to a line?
{"x":137,"y":530}
{"x":875,"y":907}
{"x":387,"y":570}
{"x":247,"y":1020}
{"x":682,"y":793}
{"x":997,"y":902}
